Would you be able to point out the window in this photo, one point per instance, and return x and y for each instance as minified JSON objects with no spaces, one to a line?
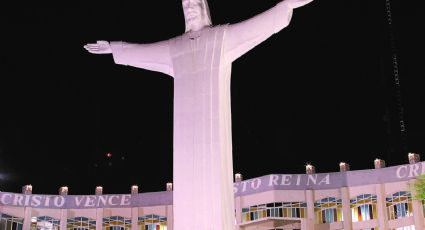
{"x":278,"y":209}
{"x":399,"y":205}
{"x":152,"y":222}
{"x":80,"y":223}
{"x":363,"y":207}
{"x":44,"y":223}
{"x":328,"y":210}
{"x":116,"y":223}
{"x":10,"y":222}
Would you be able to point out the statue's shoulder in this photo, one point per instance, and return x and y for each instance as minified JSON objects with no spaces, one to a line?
{"x":221,"y":27}
{"x":207,"y":31}
{"x":217,"y":29}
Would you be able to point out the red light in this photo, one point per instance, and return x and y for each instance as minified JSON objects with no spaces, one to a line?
{"x":108,"y":154}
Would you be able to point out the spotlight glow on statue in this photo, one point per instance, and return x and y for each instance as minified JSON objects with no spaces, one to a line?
{"x":200,"y":62}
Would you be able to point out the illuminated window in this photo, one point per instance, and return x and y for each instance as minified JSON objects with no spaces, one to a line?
{"x":363,"y":207}
{"x":80,"y":223}
{"x":10,"y":222}
{"x":399,"y":205}
{"x":44,"y":223}
{"x":279,"y":209}
{"x":411,"y":227}
{"x":152,"y":222}
{"x":116,"y":223}
{"x":328,"y":210}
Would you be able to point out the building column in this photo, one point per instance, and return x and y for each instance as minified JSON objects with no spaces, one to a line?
{"x":134,"y":218}
{"x":418,"y":211}
{"x":169,"y":215}
{"x":26,"y":225}
{"x":238,"y":208}
{"x":63,"y":191}
{"x":346,"y":209}
{"x":381,"y":207}
{"x":63,"y":218}
{"x":309,"y":223}
{"x":99,"y":218}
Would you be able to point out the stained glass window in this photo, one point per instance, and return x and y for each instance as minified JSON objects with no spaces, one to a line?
{"x":80,"y":223}
{"x":363,"y":207}
{"x":44,"y":223}
{"x":116,"y":223}
{"x":277,"y":209}
{"x":152,"y":222}
{"x":399,"y":205}
{"x":8,"y":222}
{"x":328,"y":210}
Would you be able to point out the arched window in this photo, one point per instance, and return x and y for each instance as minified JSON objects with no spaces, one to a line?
{"x":328,"y":210}
{"x":80,"y":223}
{"x":152,"y":222}
{"x":44,"y":223}
{"x":363,"y":207}
{"x":8,"y":222}
{"x":277,"y":209}
{"x":399,"y":205}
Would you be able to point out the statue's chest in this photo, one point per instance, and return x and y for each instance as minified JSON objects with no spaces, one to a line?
{"x":197,"y":53}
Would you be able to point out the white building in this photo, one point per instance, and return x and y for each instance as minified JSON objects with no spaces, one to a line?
{"x":379,"y":198}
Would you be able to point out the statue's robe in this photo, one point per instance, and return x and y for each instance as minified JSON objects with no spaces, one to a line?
{"x":200,"y":63}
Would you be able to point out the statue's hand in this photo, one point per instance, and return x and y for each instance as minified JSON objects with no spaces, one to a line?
{"x":297,"y":3}
{"x":101,"y":47}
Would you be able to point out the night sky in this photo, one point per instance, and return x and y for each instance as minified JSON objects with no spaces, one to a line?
{"x":321,"y":91}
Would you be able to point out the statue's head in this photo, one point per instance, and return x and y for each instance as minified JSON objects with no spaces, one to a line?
{"x":196,"y":14}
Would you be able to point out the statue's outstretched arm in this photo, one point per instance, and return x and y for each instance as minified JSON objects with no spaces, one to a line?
{"x":154,"y":56}
{"x":243,"y":36}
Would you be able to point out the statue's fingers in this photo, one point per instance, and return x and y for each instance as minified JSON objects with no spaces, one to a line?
{"x":92,"y":48}
{"x":92,"y":45}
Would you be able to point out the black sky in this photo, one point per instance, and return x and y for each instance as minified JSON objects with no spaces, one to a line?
{"x":320,"y":92}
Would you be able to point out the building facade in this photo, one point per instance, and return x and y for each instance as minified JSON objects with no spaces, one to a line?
{"x":379,"y":198}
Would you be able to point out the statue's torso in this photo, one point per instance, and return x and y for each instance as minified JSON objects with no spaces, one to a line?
{"x":196,"y":53}
{"x":202,"y":132}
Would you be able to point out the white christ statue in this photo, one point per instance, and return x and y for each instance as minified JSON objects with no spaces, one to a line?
{"x":200,"y":63}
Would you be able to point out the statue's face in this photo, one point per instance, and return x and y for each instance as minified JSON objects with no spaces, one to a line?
{"x":196,"y":14}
